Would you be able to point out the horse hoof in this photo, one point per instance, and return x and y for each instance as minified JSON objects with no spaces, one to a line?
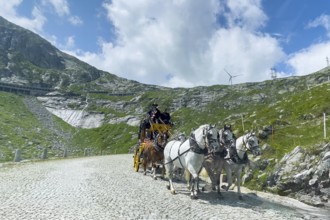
{"x":224,"y":187}
{"x":240,"y":197}
{"x":193,"y":197}
{"x":155,"y":178}
{"x":213,"y":188}
{"x":173,"y":192}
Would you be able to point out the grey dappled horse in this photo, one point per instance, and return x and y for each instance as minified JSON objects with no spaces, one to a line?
{"x":189,"y":155}
{"x":215,"y":161}
{"x":245,"y":143}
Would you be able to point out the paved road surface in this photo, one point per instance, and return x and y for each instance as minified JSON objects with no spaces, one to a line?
{"x":107,"y":187}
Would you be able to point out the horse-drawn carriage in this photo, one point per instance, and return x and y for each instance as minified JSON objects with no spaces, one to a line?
{"x":153,"y":135}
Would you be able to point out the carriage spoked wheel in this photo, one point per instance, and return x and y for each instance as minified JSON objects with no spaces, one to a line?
{"x":137,"y":157}
{"x":136,"y":162}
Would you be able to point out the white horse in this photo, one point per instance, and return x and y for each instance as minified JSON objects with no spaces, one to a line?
{"x":190,"y":154}
{"x":215,"y":162}
{"x":245,"y":143}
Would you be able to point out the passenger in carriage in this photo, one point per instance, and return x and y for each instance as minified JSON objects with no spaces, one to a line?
{"x":165,"y":117}
{"x":152,"y":117}
{"x":154,"y":113}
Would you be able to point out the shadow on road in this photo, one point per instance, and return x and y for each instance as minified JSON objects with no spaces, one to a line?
{"x":250,"y":201}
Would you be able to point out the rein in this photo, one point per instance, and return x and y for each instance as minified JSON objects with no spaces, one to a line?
{"x":179,"y":155}
{"x":245,"y":143}
{"x":195,"y":147}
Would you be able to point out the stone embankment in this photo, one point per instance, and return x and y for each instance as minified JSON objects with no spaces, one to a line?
{"x":107,"y":187}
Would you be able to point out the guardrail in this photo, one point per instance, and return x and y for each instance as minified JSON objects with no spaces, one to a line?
{"x":44,"y":154}
{"x":27,"y":90}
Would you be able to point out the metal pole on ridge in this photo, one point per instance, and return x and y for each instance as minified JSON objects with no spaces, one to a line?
{"x":324,"y":127}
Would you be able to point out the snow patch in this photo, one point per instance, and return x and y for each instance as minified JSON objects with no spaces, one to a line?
{"x":79,"y":118}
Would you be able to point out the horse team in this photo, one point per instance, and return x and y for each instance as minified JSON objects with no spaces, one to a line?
{"x":207,"y":147}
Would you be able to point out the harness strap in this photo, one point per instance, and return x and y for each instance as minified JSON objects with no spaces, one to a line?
{"x":195,"y":147}
{"x":178,"y":155}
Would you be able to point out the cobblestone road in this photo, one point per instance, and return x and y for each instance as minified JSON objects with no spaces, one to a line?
{"x":107,"y":187}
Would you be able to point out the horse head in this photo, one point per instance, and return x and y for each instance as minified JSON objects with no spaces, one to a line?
{"x":252,"y":144}
{"x":226,"y":137}
{"x":212,"y":139}
{"x":161,"y":139}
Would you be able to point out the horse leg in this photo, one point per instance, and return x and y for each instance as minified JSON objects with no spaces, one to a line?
{"x":188,"y":178}
{"x":144,"y":167}
{"x":207,"y":165}
{"x":163,"y":172}
{"x":197,"y":181}
{"x":238,"y":179}
{"x":153,"y":171}
{"x":228,"y":170}
{"x":169,"y":170}
{"x":193,"y":183}
{"x":217,"y":177}
{"x":193,"y":190}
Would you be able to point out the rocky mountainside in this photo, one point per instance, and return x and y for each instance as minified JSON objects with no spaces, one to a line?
{"x":102,"y":112}
{"x":28,"y":59}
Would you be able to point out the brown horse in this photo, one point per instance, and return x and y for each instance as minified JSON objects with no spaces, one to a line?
{"x":153,"y":153}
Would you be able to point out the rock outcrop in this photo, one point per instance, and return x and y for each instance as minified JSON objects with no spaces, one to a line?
{"x":304,"y":175}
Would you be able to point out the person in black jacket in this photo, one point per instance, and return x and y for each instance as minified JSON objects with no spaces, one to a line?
{"x":154,"y":113}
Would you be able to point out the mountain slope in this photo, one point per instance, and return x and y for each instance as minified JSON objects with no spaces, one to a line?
{"x":28,"y":59}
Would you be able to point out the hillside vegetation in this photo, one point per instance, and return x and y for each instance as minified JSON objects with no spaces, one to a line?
{"x":295,"y":118}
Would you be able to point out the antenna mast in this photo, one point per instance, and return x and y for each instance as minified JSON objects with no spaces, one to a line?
{"x":273,"y":73}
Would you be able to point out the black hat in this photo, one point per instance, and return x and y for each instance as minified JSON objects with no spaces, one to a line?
{"x":227,"y":126}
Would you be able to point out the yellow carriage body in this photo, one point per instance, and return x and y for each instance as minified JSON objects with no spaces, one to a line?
{"x":160,"y":128}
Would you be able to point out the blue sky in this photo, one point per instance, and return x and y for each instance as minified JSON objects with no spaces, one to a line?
{"x":184,"y":43}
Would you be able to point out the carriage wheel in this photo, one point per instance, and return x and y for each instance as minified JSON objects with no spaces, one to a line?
{"x":136,"y":162}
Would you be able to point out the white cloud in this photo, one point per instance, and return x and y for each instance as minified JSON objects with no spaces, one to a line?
{"x":179,"y":43}
{"x":314,"y":57}
{"x":70,"y":42}
{"x":246,"y":14}
{"x":310,"y":59}
{"x":323,"y":21}
{"x":61,"y":7}
{"x":8,"y":11}
{"x":75,"y":20}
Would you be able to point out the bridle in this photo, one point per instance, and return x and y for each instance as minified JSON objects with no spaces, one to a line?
{"x":246,"y":143}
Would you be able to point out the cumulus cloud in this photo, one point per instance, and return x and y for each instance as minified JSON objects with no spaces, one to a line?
{"x":181,"y":43}
{"x":314,"y":57}
{"x":8,"y":11}
{"x":310,"y":59}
